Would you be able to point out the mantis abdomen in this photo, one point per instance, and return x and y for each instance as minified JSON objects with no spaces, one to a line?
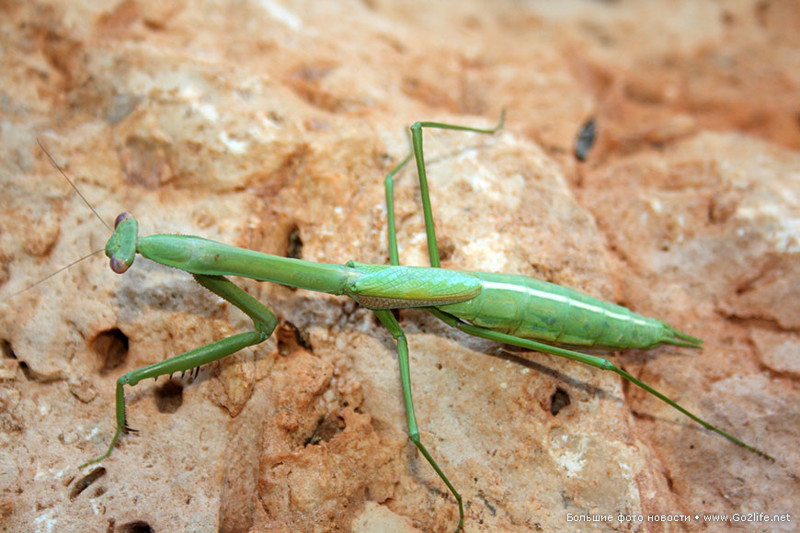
{"x":533,"y":309}
{"x":515,"y":305}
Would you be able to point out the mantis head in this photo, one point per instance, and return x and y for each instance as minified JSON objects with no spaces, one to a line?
{"x":121,"y":246}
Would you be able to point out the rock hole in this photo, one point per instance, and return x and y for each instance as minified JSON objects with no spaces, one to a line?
{"x":761,"y":12}
{"x":302,"y":339}
{"x":446,"y":249}
{"x":169,"y":397}
{"x":295,"y":248}
{"x":727,"y":18}
{"x":26,"y":371}
{"x":7,"y":350}
{"x":290,"y":337}
{"x":8,"y":368}
{"x":585,"y":140}
{"x":326,"y":429}
{"x":670,"y":482}
{"x":112,"y":348}
{"x":86,"y":481}
{"x":137,"y":526}
{"x":558,"y":401}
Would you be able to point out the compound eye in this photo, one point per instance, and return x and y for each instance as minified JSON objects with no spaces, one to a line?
{"x":120,"y":218}
{"x":118,"y":265}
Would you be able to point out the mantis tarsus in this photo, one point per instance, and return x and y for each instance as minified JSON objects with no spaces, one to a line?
{"x":510,"y":309}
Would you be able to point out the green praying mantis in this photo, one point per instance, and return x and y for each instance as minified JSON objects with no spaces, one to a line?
{"x":510,"y":309}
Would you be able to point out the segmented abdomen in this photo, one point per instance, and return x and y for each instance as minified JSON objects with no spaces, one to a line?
{"x":534,"y":309}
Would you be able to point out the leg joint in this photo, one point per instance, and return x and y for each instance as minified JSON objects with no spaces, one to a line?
{"x":264,"y":331}
{"x":126,"y":379}
{"x":607,"y":365}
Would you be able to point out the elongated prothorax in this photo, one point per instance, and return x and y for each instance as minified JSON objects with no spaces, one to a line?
{"x":203,"y":256}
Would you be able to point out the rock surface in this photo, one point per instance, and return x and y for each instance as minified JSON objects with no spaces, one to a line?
{"x":270,"y":125}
